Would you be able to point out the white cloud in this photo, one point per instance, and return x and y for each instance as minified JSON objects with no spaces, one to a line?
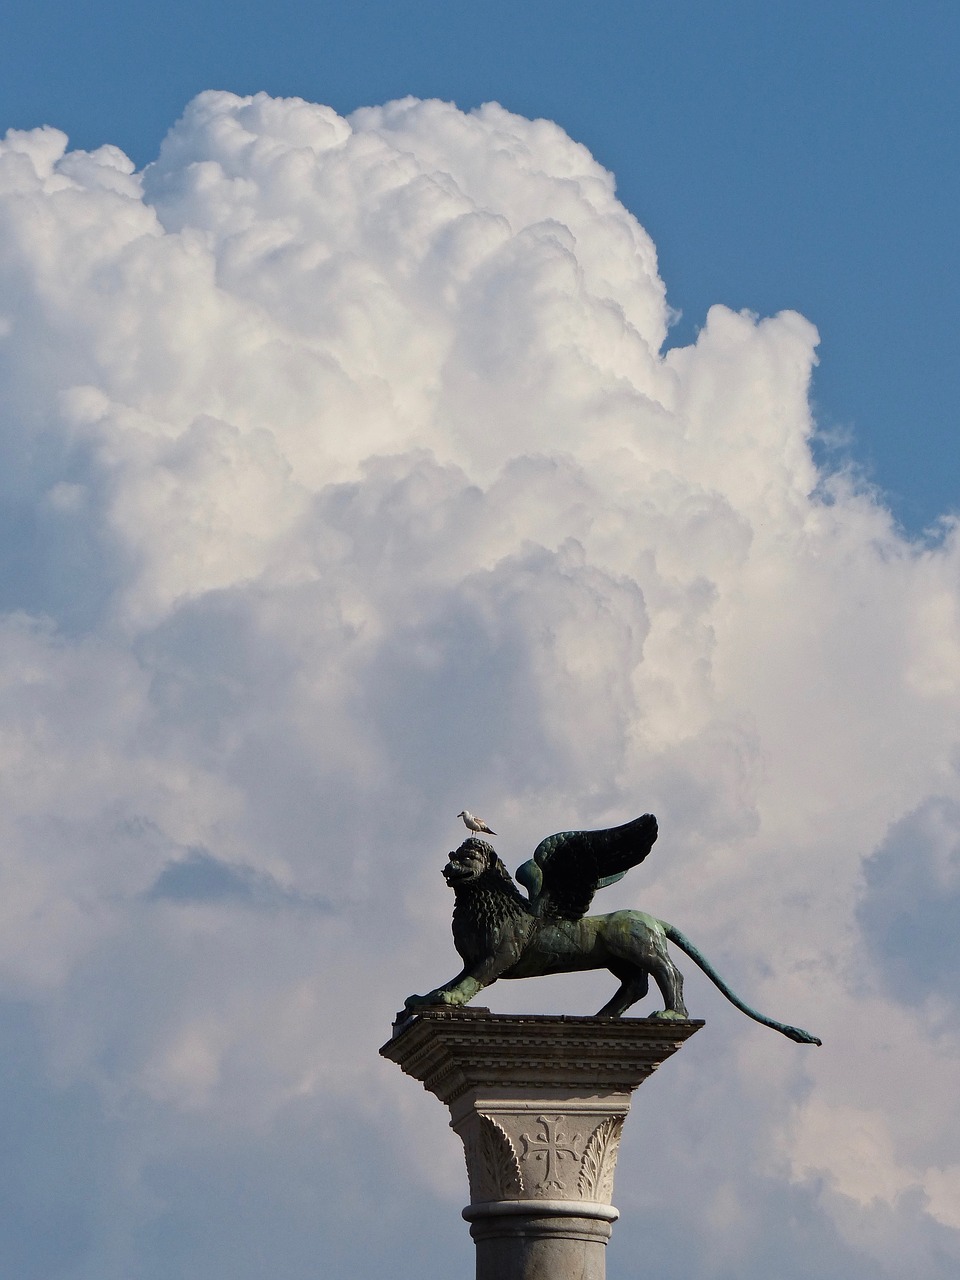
{"x":346,"y":484}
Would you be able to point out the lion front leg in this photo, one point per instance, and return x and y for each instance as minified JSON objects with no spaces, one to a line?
{"x":459,"y":990}
{"x":462,"y":988}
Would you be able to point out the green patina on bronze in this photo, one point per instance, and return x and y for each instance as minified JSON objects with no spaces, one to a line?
{"x":501,"y":934}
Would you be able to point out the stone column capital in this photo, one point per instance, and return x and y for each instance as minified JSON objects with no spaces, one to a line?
{"x":538,"y":1101}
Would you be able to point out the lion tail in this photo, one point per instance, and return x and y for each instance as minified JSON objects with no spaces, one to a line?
{"x":699,"y":959}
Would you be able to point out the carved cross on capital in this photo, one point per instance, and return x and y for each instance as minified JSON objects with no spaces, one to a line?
{"x":550,"y":1148}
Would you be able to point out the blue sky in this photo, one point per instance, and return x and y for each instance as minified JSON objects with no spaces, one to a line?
{"x":355,"y":470}
{"x":781,"y":156}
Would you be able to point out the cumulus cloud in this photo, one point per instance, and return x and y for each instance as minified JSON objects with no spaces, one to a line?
{"x":347,"y":481}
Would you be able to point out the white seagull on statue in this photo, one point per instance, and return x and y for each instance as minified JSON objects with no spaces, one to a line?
{"x":473,"y":823}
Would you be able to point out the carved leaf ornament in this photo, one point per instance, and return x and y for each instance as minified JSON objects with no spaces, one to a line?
{"x":600,"y":1160}
{"x":494,"y":1170}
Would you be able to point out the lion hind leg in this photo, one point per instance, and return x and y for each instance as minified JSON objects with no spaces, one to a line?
{"x":639,"y":943}
{"x":633,"y":987}
{"x":670,"y":981}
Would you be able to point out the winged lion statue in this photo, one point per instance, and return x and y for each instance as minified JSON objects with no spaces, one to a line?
{"x":500,"y":933}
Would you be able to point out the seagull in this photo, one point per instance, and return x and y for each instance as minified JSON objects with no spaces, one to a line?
{"x":473,"y":823}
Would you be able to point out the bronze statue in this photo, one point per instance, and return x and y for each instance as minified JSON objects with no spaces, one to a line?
{"x":501,"y":934}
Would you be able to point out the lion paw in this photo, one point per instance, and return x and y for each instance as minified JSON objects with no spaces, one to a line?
{"x":433,"y":998}
{"x":419,"y":1002}
{"x":668,"y":1015}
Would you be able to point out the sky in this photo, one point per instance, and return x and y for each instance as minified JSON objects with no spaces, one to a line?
{"x":796,"y":156}
{"x":410,"y":408}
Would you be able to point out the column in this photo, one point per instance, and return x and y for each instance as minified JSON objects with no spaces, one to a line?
{"x":539,"y":1103}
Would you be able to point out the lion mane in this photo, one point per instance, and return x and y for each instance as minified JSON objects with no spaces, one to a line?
{"x":485,"y":904}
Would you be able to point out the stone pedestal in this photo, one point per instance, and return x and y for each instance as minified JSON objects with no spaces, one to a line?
{"x":539,"y":1103}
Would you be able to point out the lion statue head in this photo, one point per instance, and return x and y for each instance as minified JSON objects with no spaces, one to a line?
{"x":486,"y":896}
{"x":474,"y":860}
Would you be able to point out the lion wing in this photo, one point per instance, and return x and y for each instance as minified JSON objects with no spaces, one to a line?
{"x":568,"y":868}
